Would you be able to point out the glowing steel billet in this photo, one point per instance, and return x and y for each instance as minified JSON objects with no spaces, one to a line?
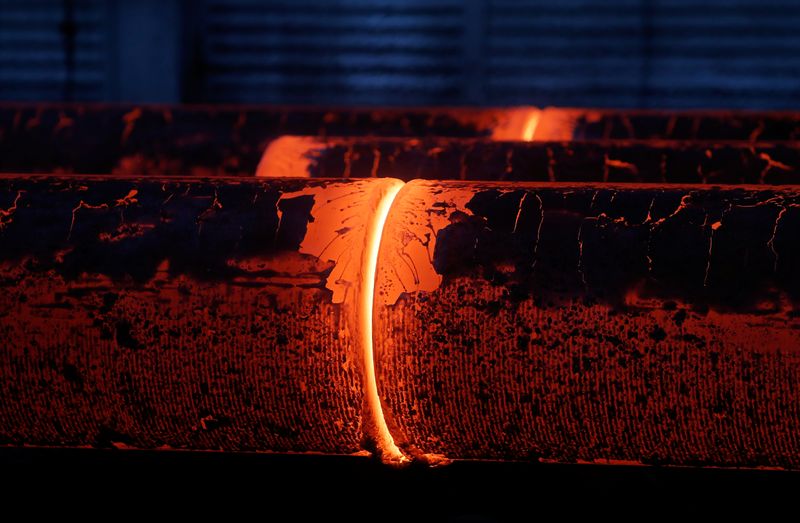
{"x":563,"y":322}
{"x":193,"y":314}
{"x":211,"y":140}
{"x":592,"y":323}
{"x":614,"y":161}
{"x":229,"y":141}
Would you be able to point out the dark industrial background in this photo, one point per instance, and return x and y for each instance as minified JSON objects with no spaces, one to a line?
{"x":671,"y":54}
{"x":587,"y":53}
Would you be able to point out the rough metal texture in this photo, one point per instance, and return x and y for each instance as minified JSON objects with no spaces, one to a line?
{"x":605,"y":124}
{"x":220,"y":140}
{"x":175,"y":313}
{"x":631,"y":324}
{"x":610,"y":161}
{"x":224,"y":141}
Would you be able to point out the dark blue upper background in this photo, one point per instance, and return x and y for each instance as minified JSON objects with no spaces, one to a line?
{"x":602,"y":53}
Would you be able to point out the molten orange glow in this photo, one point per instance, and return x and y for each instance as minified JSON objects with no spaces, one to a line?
{"x":558,"y":124}
{"x":289,"y":156}
{"x":516,"y":124}
{"x":530,"y":127}
{"x":383,"y":438}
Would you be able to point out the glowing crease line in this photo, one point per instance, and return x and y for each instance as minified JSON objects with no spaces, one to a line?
{"x":385,"y":441}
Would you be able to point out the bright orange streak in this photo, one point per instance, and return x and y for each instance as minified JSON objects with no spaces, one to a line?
{"x":530,"y":126}
{"x":384,"y":440}
{"x":289,"y":156}
{"x":516,"y":124}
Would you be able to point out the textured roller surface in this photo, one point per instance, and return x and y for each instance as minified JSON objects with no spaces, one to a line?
{"x":203,"y":314}
{"x":603,"y":124}
{"x":627,"y":324}
{"x":221,"y":141}
{"x":229,"y":140}
{"x":606,"y":161}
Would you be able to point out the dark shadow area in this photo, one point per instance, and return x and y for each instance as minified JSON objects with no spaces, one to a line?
{"x":345,"y":488}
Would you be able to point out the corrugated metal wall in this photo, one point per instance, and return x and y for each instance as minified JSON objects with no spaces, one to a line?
{"x":53,"y":50}
{"x":565,"y":52}
{"x":645,"y":53}
{"x":614,"y":53}
{"x":353,"y":51}
{"x":724,"y":53}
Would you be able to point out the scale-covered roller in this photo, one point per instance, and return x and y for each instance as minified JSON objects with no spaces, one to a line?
{"x":486,"y":160}
{"x":633,"y":324}
{"x":623,"y":323}
{"x":184,"y":313}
